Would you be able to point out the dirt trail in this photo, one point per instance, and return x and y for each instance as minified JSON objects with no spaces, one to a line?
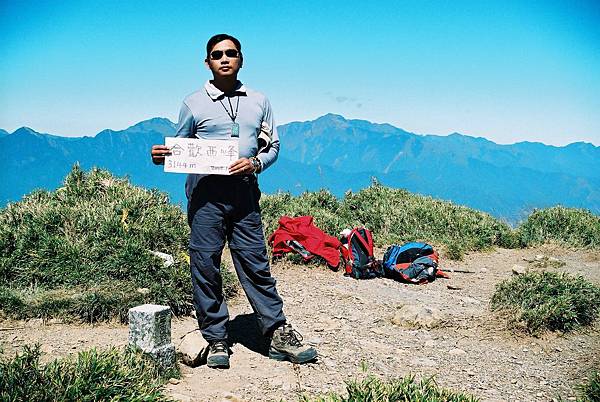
{"x":349,"y":322}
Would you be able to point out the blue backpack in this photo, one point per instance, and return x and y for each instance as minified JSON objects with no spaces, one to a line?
{"x":413,"y":262}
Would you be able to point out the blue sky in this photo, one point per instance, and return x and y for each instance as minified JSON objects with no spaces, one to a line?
{"x":505,"y":70}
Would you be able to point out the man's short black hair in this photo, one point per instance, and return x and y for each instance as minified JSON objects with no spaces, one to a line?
{"x":219,"y":38}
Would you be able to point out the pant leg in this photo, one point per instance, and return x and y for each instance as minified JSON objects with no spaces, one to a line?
{"x":207,"y":210}
{"x":247,"y":245}
{"x":252,"y":267}
{"x":209,"y":302}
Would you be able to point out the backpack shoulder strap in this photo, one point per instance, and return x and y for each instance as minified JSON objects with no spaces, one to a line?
{"x":367,"y":243}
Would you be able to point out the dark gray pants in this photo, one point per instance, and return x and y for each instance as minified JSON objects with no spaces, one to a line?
{"x":226,"y":208}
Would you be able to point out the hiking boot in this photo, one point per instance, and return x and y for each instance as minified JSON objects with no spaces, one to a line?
{"x":287,"y":345}
{"x":218,"y":355}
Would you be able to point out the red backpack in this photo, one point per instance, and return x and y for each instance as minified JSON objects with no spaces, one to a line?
{"x":357,"y":254}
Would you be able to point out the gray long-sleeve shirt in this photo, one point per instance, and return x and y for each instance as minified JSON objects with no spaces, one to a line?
{"x":204,"y":115}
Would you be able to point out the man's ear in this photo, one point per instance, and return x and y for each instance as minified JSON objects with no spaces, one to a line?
{"x":206,"y":64}
{"x":241,"y":61}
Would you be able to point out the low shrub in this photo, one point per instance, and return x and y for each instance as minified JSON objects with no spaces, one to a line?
{"x":85,"y":250}
{"x":397,"y":216}
{"x":590,"y":390}
{"x":394,"y":216}
{"x":88,"y":304}
{"x":92,"y":375}
{"x":323,"y":206}
{"x":373,"y":389}
{"x":567,"y":226}
{"x":540,"y":301}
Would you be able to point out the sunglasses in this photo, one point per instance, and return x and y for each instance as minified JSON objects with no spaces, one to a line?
{"x":217,"y":54}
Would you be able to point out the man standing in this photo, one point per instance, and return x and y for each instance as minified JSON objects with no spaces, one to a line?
{"x":222,"y":207}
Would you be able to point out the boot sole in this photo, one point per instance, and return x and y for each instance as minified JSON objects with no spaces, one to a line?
{"x":301,"y":358}
{"x":218,"y":362}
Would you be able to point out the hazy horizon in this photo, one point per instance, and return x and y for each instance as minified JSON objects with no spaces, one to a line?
{"x":296,"y":121}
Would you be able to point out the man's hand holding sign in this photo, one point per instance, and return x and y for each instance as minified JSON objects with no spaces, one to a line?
{"x":201,"y":156}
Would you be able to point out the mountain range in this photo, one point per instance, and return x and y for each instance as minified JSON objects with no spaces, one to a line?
{"x":332,"y":152}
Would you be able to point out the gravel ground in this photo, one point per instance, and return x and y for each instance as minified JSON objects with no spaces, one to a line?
{"x":350,"y":323}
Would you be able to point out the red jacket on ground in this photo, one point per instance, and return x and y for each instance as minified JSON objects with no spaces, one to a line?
{"x":306,"y":233}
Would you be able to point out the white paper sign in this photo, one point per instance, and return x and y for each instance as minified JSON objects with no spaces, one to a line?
{"x":196,"y":155}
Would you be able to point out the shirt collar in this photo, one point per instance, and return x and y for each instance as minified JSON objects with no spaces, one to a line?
{"x":215,"y":93}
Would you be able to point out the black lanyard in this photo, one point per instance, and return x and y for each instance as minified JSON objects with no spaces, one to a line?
{"x":232,"y":115}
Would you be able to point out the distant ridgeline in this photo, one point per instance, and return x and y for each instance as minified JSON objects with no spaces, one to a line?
{"x":508,"y":181}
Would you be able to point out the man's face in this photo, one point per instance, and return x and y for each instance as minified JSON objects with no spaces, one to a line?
{"x":222,"y":61}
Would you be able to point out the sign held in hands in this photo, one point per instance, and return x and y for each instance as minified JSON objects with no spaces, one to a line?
{"x":201,"y":156}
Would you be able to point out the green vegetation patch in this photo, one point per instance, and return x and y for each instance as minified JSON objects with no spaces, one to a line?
{"x":397,"y":216}
{"x":323,"y":206}
{"x":108,"y":375}
{"x":566,"y":226}
{"x":86,"y":250}
{"x":88,"y":304}
{"x":394,"y":216}
{"x":590,"y":390}
{"x":373,"y":389}
{"x":540,"y":301}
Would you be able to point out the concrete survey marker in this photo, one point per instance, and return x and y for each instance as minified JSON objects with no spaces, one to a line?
{"x":150,"y":330}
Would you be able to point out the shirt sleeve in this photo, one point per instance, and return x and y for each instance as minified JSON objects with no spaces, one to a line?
{"x":185,"y":126}
{"x":269,"y":157}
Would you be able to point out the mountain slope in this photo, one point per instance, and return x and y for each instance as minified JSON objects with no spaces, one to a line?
{"x":337,"y":142}
{"x":42,"y":161}
{"x":338,"y":154}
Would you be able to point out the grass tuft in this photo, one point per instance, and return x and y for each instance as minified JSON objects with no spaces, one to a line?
{"x":92,"y":375}
{"x":373,"y":389}
{"x":85,"y":250}
{"x":394,"y":216}
{"x":566,"y":226}
{"x":540,"y":301}
{"x":590,"y":390}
